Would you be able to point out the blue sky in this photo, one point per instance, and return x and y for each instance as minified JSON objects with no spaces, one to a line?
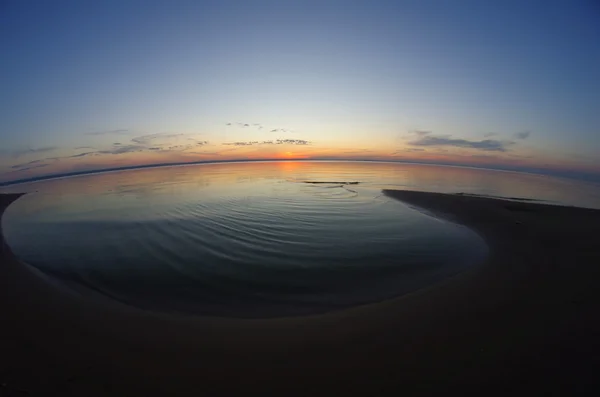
{"x":91,"y":85}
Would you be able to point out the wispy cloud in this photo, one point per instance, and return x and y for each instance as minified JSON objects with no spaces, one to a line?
{"x":78,"y":155}
{"x":490,"y":134}
{"x":245,"y":125}
{"x":486,"y":144}
{"x":110,"y":132}
{"x":419,"y":132}
{"x":114,"y":150}
{"x":148,"y":139}
{"x":292,"y":142}
{"x":23,"y":152}
{"x":245,"y":143}
{"x":258,"y":126}
{"x":522,"y":134}
{"x":176,"y":148}
{"x":162,"y":142}
{"x":275,"y":142}
{"x":121,"y":149}
{"x":156,"y":143}
{"x":32,"y":167}
{"x":25,"y":165}
{"x":285,"y":130}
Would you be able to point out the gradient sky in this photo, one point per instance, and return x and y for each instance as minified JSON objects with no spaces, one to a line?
{"x":90,"y":85}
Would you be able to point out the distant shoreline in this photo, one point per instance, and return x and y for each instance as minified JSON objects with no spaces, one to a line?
{"x":590,"y":179}
{"x":524,"y":323}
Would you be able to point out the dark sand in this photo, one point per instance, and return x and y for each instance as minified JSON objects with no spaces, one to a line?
{"x":524,"y":323}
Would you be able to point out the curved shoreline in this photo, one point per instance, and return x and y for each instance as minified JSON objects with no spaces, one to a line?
{"x":524,"y":323}
{"x":338,"y":278}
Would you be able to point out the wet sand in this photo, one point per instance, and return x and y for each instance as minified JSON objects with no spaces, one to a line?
{"x":523,"y":323}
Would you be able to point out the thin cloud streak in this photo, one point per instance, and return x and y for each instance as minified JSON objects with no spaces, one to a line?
{"x":23,"y":165}
{"x":259,"y":126}
{"x":275,"y":142}
{"x":79,"y":155}
{"x":22,"y":152}
{"x":523,"y":134}
{"x":148,"y":139}
{"x":486,"y":144}
{"x":116,"y":149}
{"x":122,"y":149}
{"x":420,"y":133}
{"x":31,"y":168}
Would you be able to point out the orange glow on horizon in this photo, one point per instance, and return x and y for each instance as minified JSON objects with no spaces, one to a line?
{"x":291,"y":155}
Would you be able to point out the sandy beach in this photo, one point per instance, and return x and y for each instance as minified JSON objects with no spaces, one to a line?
{"x":523,"y":323}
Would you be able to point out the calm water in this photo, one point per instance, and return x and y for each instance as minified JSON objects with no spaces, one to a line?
{"x":255,"y":239}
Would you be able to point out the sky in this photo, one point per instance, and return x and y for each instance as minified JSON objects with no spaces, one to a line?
{"x":94,"y":85}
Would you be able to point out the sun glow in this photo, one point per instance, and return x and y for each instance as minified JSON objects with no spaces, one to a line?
{"x":290,"y":155}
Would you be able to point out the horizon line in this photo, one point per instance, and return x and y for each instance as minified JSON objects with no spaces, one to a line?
{"x":572,"y":175}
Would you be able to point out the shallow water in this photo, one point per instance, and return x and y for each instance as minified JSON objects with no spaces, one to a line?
{"x":256,"y":239}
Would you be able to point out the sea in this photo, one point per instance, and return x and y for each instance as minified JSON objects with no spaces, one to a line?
{"x":259,"y":239}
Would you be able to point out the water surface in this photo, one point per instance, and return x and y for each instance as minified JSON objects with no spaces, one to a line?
{"x":255,"y":239}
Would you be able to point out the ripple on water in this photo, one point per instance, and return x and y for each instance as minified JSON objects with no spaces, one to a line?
{"x":270,"y":248}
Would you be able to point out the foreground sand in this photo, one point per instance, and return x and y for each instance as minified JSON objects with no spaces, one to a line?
{"x":524,"y":323}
